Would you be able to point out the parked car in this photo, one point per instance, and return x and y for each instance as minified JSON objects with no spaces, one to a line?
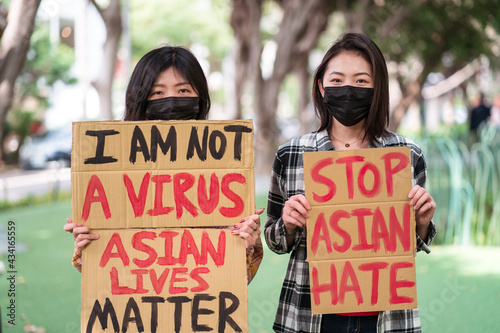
{"x":51,"y":150}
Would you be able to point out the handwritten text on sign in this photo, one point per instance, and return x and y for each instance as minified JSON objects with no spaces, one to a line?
{"x":157,"y":280}
{"x":361,"y":230}
{"x":151,"y":174}
{"x":132,"y":182}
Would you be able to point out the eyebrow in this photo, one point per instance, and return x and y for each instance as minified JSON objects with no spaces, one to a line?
{"x":176,"y":85}
{"x":340,"y":73}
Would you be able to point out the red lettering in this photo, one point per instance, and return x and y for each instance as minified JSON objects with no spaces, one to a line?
{"x":138,"y":202}
{"x":195,"y":275}
{"x":168,"y":259}
{"x":317,"y":289}
{"x":95,"y":185}
{"x":334,"y":224}
{"x":349,"y":161}
{"x":360,"y":214}
{"x":239,"y":204}
{"x":207,"y":206}
{"x":207,"y":247}
{"x":390,"y":172}
{"x":323,"y":180}
{"x":174,"y":279}
{"x":182,"y":182}
{"x":402,"y":232}
{"x":379,"y":231}
{"x":375,"y":267}
{"x":115,"y":240}
{"x":321,"y":234}
{"x":116,"y":289}
{"x":349,"y":274}
{"x":140,"y":246}
{"x":158,"y":282}
{"x":395,"y":284}
{"x":188,"y":246}
{"x":376,"y":180}
{"x":158,"y":203}
{"x":139,"y":280}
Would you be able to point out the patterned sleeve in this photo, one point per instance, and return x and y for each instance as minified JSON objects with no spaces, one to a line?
{"x":77,"y":260}
{"x":419,"y":177}
{"x":254,"y":258}
{"x":274,"y":230}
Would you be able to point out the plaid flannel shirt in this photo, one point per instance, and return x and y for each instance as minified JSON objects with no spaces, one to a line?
{"x":287,"y":179}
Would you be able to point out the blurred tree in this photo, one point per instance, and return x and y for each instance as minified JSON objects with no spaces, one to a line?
{"x":302,"y":23}
{"x":423,"y":36}
{"x":111,"y":16}
{"x":13,"y":49}
{"x":45,"y":64}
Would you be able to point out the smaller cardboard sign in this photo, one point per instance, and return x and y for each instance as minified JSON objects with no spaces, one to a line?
{"x":164,"y":280}
{"x":361,"y":230}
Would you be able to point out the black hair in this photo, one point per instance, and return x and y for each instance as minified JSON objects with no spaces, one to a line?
{"x":378,"y":117}
{"x":150,"y":66}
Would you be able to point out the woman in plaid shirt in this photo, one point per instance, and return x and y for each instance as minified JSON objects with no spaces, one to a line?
{"x":351,"y":98}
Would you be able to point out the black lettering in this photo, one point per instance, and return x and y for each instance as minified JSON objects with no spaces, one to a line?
{"x":178,"y":300}
{"x":238,"y":129}
{"x":132,"y":305}
{"x":197,"y":311}
{"x":154,"y":300}
{"x":217,"y":154}
{"x":138,"y":137}
{"x":224,"y":311}
{"x":169,"y":143}
{"x":194,"y":142}
{"x":99,"y":157}
{"x":103,"y":314}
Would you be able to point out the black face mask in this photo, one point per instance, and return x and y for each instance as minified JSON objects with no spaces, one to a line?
{"x":173,"y":108}
{"x":348,"y":104}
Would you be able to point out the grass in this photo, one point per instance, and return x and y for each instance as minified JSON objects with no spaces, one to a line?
{"x":458,"y":288}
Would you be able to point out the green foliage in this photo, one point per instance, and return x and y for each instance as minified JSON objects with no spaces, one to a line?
{"x":463,"y":178}
{"x":433,"y":29}
{"x":45,"y":64}
{"x":186,"y":23}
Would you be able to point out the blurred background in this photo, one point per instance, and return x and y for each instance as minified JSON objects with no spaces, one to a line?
{"x":70,"y":60}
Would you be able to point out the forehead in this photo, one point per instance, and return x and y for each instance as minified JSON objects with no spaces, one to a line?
{"x":348,"y":62}
{"x":170,"y":76}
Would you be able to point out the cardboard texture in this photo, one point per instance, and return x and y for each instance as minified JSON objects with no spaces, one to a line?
{"x":164,"y":280}
{"x":162,"y":174}
{"x":361,"y":230}
{"x":135,"y":183}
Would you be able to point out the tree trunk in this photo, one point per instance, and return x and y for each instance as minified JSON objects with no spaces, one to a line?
{"x":302,"y":23}
{"x":13,"y":49}
{"x":111,"y":16}
{"x":3,"y":18}
{"x":245,"y":21}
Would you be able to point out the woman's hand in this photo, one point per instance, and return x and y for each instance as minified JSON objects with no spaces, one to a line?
{"x":81,"y":234}
{"x":424,"y":207}
{"x":249,"y":228}
{"x":295,"y":213}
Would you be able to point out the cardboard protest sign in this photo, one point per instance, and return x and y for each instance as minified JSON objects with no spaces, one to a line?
{"x":361,"y":230}
{"x":162,"y":174}
{"x":164,"y":280}
{"x":135,"y":184}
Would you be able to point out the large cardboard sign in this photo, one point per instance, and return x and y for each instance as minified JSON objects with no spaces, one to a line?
{"x":139,"y":185}
{"x":162,"y":174}
{"x":361,"y":230}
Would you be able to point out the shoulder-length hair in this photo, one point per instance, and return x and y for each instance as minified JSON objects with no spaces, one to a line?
{"x":150,"y":66}
{"x":378,"y":117}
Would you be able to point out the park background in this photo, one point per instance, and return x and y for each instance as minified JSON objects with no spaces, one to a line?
{"x":64,"y":61}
